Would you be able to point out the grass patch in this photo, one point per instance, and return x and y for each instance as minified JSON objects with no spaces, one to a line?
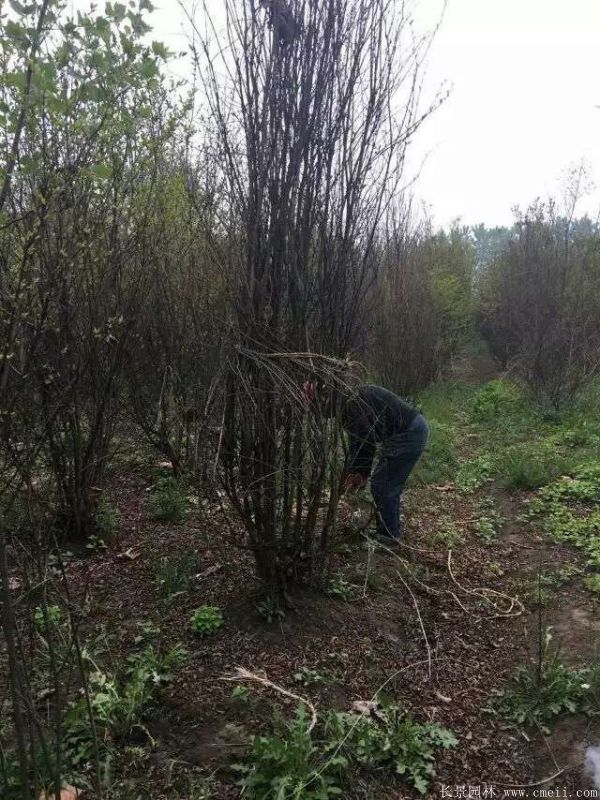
{"x":569,"y":509}
{"x":175,"y":575}
{"x":540,"y":691}
{"x":439,"y":460}
{"x":169,"y":502}
{"x":474,"y":474}
{"x":592,"y":584}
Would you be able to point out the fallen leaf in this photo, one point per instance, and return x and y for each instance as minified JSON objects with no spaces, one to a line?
{"x":209,"y":571}
{"x":129,"y":554}
{"x":364,"y":707}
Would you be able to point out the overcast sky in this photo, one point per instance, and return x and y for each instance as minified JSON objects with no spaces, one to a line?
{"x":526,"y":86}
{"x":525,"y":78}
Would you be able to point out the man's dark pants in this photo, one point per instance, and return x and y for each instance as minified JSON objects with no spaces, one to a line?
{"x":397,"y":458}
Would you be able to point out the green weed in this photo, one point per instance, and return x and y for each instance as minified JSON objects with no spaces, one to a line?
{"x":474,"y":474}
{"x":535,"y":697}
{"x":439,"y":460}
{"x":592,"y":584}
{"x":118,"y":701}
{"x":169,"y":502}
{"x":339,"y":587}
{"x":206,"y":620}
{"x":391,"y":739}
{"x":570,"y":510}
{"x":289,"y":765}
{"x":497,"y":402}
{"x":525,"y":468}
{"x":309,"y":677}
{"x":541,"y":690}
{"x":271,"y":609}
{"x":176,"y":574}
{"x":560,"y":577}
{"x":485,"y":529}
{"x":447,"y":535}
{"x":241,"y":694}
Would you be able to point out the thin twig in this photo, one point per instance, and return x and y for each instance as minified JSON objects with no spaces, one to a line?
{"x":243,"y":674}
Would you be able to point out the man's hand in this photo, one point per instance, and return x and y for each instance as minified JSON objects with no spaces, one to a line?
{"x":354,"y":481}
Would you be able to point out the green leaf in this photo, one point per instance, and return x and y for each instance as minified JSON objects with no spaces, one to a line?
{"x":28,"y":165}
{"x":14,"y":30}
{"x":102,"y":26}
{"x":118,"y":11}
{"x":159,"y":49}
{"x":102,"y":171}
{"x":149,"y":68}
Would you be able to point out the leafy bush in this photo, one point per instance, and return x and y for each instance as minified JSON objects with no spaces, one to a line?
{"x":206,"y":620}
{"x":439,"y":459}
{"x":288,"y":765}
{"x":391,"y":738}
{"x":169,"y":502}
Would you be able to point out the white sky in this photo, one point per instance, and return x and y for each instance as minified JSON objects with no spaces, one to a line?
{"x":526,"y":78}
{"x":526,"y":82}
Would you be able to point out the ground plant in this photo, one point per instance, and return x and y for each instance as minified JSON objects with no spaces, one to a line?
{"x":206,"y":620}
{"x":391,"y":738}
{"x":169,"y":502}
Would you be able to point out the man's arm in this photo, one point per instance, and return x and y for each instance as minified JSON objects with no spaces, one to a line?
{"x":361,"y":439}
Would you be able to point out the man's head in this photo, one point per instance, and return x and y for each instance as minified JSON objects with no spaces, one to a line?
{"x":321,"y":396}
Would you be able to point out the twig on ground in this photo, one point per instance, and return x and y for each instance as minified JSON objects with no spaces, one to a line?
{"x":528,"y":785}
{"x":486,"y":594}
{"x":243,"y":674}
{"x":420,"y":618}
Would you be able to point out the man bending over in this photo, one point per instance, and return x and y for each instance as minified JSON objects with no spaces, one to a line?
{"x":379,"y":422}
